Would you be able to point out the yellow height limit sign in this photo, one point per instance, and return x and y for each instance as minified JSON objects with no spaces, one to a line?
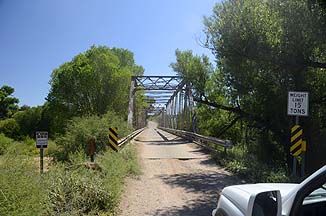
{"x":297,"y":144}
{"x":113,"y":138}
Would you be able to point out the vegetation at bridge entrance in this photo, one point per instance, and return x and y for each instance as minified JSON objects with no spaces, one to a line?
{"x":88,"y":95}
{"x":69,"y":188}
{"x":263,"y":49}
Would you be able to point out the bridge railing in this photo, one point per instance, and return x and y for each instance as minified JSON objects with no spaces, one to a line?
{"x":123,"y":141}
{"x":211,"y":143}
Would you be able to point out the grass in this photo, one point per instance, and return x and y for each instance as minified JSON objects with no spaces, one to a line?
{"x":239,"y":161}
{"x":21,"y":188}
{"x":69,"y":188}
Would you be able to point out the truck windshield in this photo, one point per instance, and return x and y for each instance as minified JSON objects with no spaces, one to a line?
{"x":318,"y":195}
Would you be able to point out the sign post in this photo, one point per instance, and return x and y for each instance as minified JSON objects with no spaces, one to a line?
{"x":298,"y":103}
{"x":41,"y":143}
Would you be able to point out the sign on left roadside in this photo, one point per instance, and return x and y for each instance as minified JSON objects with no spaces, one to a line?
{"x":41,"y":139}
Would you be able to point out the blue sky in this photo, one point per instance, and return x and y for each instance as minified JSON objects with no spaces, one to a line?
{"x":37,"y":36}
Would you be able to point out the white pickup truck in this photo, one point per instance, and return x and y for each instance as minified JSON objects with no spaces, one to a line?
{"x":275,"y":199}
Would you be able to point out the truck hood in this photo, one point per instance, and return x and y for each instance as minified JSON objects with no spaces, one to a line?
{"x":239,"y":194}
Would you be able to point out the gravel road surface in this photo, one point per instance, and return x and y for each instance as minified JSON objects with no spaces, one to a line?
{"x":178,"y":178}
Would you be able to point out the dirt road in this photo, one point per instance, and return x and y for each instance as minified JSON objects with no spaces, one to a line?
{"x":178,"y":178}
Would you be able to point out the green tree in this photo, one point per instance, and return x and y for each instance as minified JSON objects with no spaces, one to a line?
{"x":8,"y":104}
{"x":208,"y":89}
{"x":24,"y":107}
{"x":264,"y":49}
{"x":93,"y":83}
{"x":10,"y":128}
{"x":194,"y":70}
{"x":29,"y":121}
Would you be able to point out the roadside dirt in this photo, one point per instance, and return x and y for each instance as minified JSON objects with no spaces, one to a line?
{"x":178,"y":178}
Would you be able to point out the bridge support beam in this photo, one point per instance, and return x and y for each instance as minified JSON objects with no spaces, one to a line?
{"x":131,"y":107}
{"x":192,"y":110}
{"x":180,"y":120}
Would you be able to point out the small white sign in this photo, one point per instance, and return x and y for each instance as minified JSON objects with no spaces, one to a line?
{"x":41,"y":139}
{"x":298,"y":103}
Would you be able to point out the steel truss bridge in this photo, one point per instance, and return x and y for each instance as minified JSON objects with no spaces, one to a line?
{"x":168,"y":97}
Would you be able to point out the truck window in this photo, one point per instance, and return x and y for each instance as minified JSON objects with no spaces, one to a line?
{"x":315,"y":203}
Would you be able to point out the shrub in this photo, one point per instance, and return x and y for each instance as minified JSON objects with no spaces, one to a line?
{"x":246,"y":165}
{"x":4,"y":143}
{"x":29,"y":121}
{"x":67,"y":188}
{"x":25,"y":147}
{"x":237,"y":167}
{"x":278,"y":176}
{"x":17,"y":148}
{"x":10,"y":128}
{"x":77,"y":190}
{"x":81,"y":130}
{"x":54,"y":151}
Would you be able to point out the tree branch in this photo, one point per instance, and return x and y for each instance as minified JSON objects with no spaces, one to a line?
{"x":231,"y":109}
{"x":260,"y":123}
{"x":223,"y":130}
{"x":316,"y":64}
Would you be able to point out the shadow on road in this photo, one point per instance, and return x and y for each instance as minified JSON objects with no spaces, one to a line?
{"x":177,"y":142}
{"x":200,"y":208}
{"x":208,"y":183}
{"x":161,"y":135}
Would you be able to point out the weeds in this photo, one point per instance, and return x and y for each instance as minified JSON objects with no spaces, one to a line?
{"x":68,"y":188}
{"x":22,"y":189}
{"x":246,"y":165}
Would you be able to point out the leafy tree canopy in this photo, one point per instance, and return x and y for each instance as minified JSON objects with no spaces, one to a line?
{"x":263,"y":50}
{"x":8,"y":104}
{"x":194,"y":70}
{"x":93,"y":82}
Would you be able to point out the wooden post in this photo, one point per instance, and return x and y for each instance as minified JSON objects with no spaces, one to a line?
{"x":41,"y":159}
{"x":91,"y":149}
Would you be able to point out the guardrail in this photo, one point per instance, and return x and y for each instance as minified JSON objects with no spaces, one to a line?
{"x":123,"y":141}
{"x":204,"y":141}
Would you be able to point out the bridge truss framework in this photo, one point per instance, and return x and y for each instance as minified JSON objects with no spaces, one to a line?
{"x":169,"y":98}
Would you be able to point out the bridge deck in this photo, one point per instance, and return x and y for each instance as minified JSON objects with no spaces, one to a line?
{"x":178,"y":178}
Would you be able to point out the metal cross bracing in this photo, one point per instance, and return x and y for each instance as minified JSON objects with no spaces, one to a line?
{"x":179,"y":112}
{"x":157,"y":82}
{"x":168,"y":97}
{"x":155,"y":109}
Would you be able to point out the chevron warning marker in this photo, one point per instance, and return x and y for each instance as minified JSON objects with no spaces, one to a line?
{"x":296,"y":140}
{"x":113,"y":139}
